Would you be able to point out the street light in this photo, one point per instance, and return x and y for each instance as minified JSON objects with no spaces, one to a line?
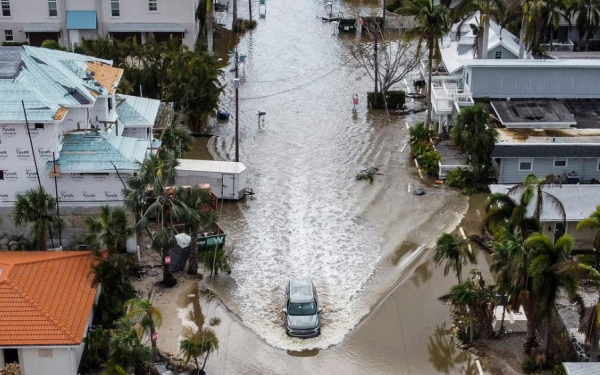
{"x":236,"y":86}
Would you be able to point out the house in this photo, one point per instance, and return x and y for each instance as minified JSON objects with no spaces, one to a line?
{"x":579,"y":201}
{"x":582,"y":368}
{"x":47,"y":302}
{"x":63,"y":126}
{"x":70,"y":21}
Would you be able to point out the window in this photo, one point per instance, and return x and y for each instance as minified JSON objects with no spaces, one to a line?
{"x":5,"y":8}
{"x":39,"y":126}
{"x":52,"y":9}
{"x":110,"y":107}
{"x":599,"y":164}
{"x":498,"y":55}
{"x":114,"y":8}
{"x":1,"y":174}
{"x":560,"y":163}
{"x":153,"y":5}
{"x":525,"y":164}
{"x":8,"y":35}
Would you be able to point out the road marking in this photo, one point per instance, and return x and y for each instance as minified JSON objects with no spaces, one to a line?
{"x":401,"y":151}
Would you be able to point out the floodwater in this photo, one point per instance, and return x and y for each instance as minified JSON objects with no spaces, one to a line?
{"x":310,"y":217}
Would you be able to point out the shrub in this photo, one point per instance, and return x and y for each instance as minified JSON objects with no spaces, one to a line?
{"x":459,"y":178}
{"x":243,"y":25}
{"x":420,"y":148}
{"x":529,"y":366}
{"x":429,"y":162}
{"x":559,"y":370}
{"x":394,"y":99}
{"x":419,"y":132}
{"x":588,"y":260}
{"x":52,"y":44}
{"x":14,"y":44}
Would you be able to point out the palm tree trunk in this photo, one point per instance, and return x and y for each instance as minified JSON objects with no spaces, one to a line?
{"x":197,"y":365}
{"x":459,"y":271}
{"x":531,"y":341}
{"x":193,"y":261}
{"x":522,"y":35}
{"x":205,"y":359}
{"x":502,"y":321}
{"x":486,"y":32}
{"x":594,"y":340}
{"x":547,"y":333}
{"x":153,"y":341}
{"x":470,"y":325}
{"x":430,"y":84}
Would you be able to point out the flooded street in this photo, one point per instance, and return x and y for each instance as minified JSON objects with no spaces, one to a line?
{"x":311,"y":218}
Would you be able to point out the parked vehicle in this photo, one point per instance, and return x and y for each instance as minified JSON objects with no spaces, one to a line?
{"x":302,"y":309}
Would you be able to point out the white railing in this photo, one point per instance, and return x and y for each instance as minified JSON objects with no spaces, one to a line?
{"x":556,"y":46}
{"x":448,"y":91}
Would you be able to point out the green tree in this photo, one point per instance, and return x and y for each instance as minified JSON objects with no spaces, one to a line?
{"x":587,"y":20}
{"x":455,"y":251}
{"x":177,"y":137}
{"x":112,"y":272}
{"x":433,"y":22}
{"x":200,"y":344}
{"x":592,"y":222}
{"x":486,"y":9}
{"x":589,"y":321}
{"x":109,"y":229}
{"x":33,"y":206}
{"x":503,"y":210}
{"x":216,"y":260}
{"x":430,"y":162}
{"x":467,"y":296}
{"x":537,"y":185}
{"x":551,"y":268}
{"x":127,"y":350}
{"x":148,"y":317}
{"x":473,"y":135}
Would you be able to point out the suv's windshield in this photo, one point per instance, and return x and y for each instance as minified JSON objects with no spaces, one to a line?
{"x":306,"y":308}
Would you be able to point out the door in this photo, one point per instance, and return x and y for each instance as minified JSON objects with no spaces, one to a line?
{"x":11,"y":356}
{"x":229,"y":186}
{"x":559,"y":231}
{"x":36,"y":39}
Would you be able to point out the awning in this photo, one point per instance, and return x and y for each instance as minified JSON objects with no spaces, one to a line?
{"x":146,"y":28}
{"x":81,"y":20}
{"x":40,"y":27}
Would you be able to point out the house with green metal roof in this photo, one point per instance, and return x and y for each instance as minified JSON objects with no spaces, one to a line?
{"x":63,"y":126}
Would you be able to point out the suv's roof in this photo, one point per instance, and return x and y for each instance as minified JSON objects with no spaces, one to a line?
{"x":301,"y":290}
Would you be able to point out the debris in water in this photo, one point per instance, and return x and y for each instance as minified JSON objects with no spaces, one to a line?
{"x":191,"y":295}
{"x":419,"y":192}
{"x":368,"y":174}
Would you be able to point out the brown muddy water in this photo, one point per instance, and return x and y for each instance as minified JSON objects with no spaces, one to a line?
{"x":366,"y":246}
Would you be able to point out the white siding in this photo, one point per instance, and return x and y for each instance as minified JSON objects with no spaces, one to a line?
{"x":584,"y":240}
{"x":586,"y":168}
{"x":61,"y":362}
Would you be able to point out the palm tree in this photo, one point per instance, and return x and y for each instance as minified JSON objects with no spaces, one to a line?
{"x":587,"y":21}
{"x":591,"y":222}
{"x":34,"y":206}
{"x":537,"y":184}
{"x":433,"y":22}
{"x":550,"y":269}
{"x":510,"y":262}
{"x":502,"y":209}
{"x":202,"y":202}
{"x":177,"y":137}
{"x":200,"y":344}
{"x":109,"y":229}
{"x":486,"y":9}
{"x":589,"y":325}
{"x":468,"y":296}
{"x":473,"y":136}
{"x":127,"y":350}
{"x":455,"y":251}
{"x":112,"y":272}
{"x":216,"y":259}
{"x":147,"y":316}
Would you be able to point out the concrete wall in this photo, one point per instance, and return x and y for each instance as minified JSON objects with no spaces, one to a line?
{"x":40,"y":361}
{"x":586,"y":168}
{"x":534,"y":82}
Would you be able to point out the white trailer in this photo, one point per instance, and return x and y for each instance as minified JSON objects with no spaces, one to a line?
{"x":227,"y":179}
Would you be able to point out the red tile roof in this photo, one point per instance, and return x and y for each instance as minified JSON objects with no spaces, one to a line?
{"x":45,"y":297}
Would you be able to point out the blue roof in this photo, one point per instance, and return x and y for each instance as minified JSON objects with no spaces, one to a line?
{"x":81,"y":20}
{"x":97,"y":152}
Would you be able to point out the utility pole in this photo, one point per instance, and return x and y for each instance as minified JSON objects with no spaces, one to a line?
{"x":234,"y":13}
{"x":236,"y":84}
{"x":37,"y":172}
{"x":250,"y":9}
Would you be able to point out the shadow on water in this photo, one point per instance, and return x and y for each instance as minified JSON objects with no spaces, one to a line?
{"x":422,"y":274}
{"x":446,"y":357}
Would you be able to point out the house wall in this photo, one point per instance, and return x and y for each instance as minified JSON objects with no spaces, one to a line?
{"x":584,"y":240}
{"x":41,"y":361}
{"x":586,"y":168}
{"x":506,"y":54}
{"x":534,"y":82}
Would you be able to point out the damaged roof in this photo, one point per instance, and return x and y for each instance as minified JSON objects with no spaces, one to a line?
{"x":49,"y":82}
{"x":135,"y":111}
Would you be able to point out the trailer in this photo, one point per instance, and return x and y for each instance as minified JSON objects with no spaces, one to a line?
{"x":227,"y":179}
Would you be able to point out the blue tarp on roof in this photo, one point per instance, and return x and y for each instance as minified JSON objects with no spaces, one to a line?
{"x":81,"y":20}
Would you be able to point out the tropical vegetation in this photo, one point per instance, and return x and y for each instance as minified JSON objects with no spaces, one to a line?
{"x":35,"y":207}
{"x":109,"y":230}
{"x":199,"y":345}
{"x":455,"y":251}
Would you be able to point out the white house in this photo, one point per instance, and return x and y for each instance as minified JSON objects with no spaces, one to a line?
{"x":68,"y":21}
{"x":63,"y":126}
{"x":47,"y":302}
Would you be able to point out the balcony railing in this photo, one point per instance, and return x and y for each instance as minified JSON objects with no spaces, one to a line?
{"x":556,"y":46}
{"x":447,"y":92}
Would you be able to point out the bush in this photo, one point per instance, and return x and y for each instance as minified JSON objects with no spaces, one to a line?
{"x":52,"y":44}
{"x":529,"y":366}
{"x":243,"y":25}
{"x":419,"y":132}
{"x":394,"y":99}
{"x":559,"y":370}
{"x":459,"y":178}
{"x":588,"y":260}
{"x":420,"y":148}
{"x":14,"y":44}
{"x":429,"y":162}
{"x":393,"y":5}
